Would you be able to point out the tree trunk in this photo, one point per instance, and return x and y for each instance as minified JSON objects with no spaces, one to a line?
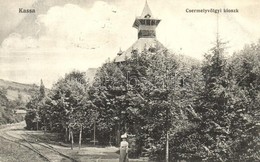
{"x":80,"y":134}
{"x":69,"y":133}
{"x":167,"y":147}
{"x":118,"y":135}
{"x":72,"y":140}
{"x":51,"y":125}
{"x":66,"y":134}
{"x":94,"y":132}
{"x":45,"y":129}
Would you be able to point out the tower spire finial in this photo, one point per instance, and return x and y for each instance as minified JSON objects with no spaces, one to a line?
{"x":146,"y":11}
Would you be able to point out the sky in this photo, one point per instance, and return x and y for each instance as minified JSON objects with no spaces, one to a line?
{"x":66,"y":35}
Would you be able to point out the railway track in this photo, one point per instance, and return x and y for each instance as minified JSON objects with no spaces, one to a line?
{"x":44,"y":150}
{"x":46,"y":145}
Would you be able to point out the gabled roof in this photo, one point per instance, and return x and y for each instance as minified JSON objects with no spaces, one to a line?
{"x":146,"y":11}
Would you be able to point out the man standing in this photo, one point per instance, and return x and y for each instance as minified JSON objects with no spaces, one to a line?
{"x":123,"y":149}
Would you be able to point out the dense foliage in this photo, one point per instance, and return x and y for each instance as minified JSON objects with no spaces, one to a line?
{"x":227,"y":111}
{"x":145,"y":97}
{"x":210,"y":110}
{"x":66,"y":108}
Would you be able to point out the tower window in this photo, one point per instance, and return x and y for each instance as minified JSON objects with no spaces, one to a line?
{"x":147,"y":16}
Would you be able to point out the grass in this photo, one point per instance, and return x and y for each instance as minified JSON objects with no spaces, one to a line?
{"x":13,"y":152}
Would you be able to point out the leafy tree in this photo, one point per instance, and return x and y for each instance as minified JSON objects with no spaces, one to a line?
{"x":245,"y":69}
{"x":143,"y":96}
{"x":223,"y":119}
{"x":32,"y":117}
{"x":66,"y":109}
{"x":210,"y":110}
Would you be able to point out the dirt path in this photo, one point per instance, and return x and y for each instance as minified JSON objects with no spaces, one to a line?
{"x":16,"y":134}
{"x":38,"y":142}
{"x":55,"y":153}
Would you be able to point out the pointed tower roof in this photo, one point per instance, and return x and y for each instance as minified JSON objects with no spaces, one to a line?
{"x":146,"y":19}
{"x":146,"y":11}
{"x":146,"y":25}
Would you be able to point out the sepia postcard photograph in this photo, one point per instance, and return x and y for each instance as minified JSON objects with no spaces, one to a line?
{"x":129,"y":81}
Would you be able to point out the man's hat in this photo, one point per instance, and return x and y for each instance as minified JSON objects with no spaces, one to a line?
{"x":124,"y":136}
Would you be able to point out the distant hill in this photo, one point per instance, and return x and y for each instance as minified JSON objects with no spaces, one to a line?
{"x":25,"y":91}
{"x":14,"y":90}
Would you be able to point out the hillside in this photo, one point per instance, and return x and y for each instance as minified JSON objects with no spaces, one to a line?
{"x":14,"y":89}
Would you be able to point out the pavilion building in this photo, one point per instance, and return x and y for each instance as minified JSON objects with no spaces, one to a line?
{"x":146,"y":25}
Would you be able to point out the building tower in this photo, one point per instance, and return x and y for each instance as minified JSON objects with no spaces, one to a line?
{"x":146,"y":25}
